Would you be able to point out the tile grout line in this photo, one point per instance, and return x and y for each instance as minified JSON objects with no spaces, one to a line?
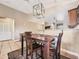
{"x":1,"y":47}
{"x":10,"y":46}
{"x":17,"y":44}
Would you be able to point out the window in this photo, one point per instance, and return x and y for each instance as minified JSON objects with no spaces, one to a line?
{"x":6,"y":28}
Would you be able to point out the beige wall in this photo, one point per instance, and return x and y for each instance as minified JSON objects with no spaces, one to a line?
{"x":70,"y":40}
{"x":21,"y":20}
{"x":24,"y":25}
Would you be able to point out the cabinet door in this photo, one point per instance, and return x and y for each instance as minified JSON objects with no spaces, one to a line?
{"x":72,"y":18}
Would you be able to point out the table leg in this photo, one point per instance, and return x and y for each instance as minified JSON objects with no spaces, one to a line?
{"x":22,"y":44}
{"x":47,"y":48}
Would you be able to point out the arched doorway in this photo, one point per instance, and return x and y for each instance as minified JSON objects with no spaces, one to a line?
{"x":6,"y":28}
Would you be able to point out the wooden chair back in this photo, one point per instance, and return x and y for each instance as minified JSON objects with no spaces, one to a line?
{"x":58,"y":47}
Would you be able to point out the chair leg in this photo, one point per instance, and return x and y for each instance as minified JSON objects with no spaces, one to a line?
{"x":55,"y":55}
{"x":42,"y":53}
{"x":32,"y":56}
{"x":58,"y":56}
{"x":36,"y":54}
{"x":22,"y":45}
{"x":26,"y":50}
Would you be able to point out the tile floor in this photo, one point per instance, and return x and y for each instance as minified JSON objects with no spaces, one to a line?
{"x":8,"y":46}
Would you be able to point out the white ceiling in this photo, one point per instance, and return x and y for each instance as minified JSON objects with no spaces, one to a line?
{"x":26,"y":5}
{"x":51,"y":6}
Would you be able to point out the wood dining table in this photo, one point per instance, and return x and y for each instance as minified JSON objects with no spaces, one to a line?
{"x":46,"y":41}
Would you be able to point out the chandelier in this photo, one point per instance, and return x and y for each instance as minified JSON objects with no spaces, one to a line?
{"x":38,"y":10}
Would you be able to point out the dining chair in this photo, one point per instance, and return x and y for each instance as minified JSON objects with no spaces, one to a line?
{"x":55,"y":46}
{"x":34,"y":47}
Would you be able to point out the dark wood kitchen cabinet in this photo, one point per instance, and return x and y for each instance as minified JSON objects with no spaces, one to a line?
{"x":72,"y":18}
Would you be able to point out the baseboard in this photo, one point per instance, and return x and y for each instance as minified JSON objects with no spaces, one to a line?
{"x":4,"y":40}
{"x":69,"y":54}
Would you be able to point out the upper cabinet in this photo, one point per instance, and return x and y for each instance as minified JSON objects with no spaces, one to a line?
{"x":72,"y":18}
{"x":78,"y":14}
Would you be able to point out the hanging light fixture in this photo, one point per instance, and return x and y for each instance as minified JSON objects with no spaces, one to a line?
{"x":38,"y":10}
